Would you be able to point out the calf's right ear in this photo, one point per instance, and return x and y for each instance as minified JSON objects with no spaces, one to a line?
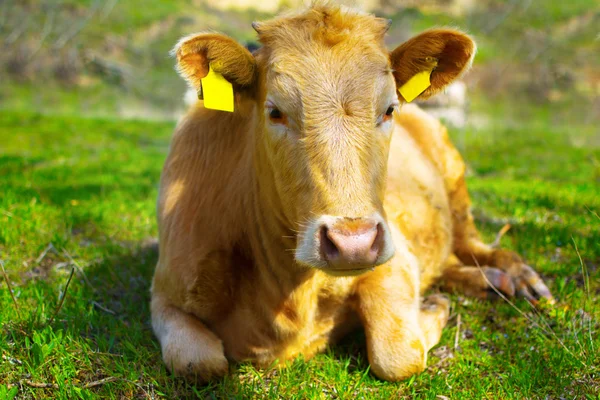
{"x":195,"y":53}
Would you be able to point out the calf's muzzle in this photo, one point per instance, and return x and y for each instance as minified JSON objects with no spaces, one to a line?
{"x":346,"y":246}
{"x":351,"y":243}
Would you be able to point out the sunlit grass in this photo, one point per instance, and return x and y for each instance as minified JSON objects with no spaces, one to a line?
{"x":87,"y":187}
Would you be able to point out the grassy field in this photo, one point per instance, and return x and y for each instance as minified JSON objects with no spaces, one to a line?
{"x":78,"y":197}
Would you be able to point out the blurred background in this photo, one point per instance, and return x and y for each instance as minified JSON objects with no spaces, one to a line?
{"x":110,"y":57}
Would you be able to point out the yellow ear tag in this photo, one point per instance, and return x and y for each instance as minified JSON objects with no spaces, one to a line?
{"x":217,"y":91}
{"x":415,"y":85}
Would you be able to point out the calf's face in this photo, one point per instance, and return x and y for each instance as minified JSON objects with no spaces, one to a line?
{"x":325,"y":91}
{"x":328,"y":108}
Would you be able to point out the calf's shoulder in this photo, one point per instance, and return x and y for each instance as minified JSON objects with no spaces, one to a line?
{"x":432,"y":138}
{"x":205,"y":180}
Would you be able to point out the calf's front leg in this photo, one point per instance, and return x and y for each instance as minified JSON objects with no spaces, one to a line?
{"x":189,"y":348}
{"x":398,"y":329}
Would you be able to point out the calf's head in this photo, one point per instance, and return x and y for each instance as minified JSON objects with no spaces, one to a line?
{"x":325,"y":90}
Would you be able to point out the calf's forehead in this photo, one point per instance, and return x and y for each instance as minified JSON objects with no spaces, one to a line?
{"x":314,"y":74}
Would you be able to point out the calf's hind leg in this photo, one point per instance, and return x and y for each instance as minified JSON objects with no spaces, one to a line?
{"x":475,"y":281}
{"x":498,"y":265}
{"x":189,"y":348}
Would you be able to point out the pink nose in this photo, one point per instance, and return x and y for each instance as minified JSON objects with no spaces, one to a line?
{"x":351,"y":243}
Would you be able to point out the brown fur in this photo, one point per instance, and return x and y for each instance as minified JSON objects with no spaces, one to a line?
{"x":448,"y":53}
{"x":237,"y":277}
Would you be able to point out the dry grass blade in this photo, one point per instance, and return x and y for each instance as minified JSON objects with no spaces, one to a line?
{"x":101,"y":307}
{"x":43,"y":254}
{"x":593,"y":212}
{"x":586,"y":276}
{"x":64,"y":294}
{"x":10,"y":290}
{"x":456,"y":337}
{"x":586,"y":282}
{"x":45,"y":385}
{"x":12,"y":360}
{"x":139,"y":386}
{"x":499,"y":235}
{"x":99,"y":382}
{"x":79,"y":268}
{"x":40,"y":385}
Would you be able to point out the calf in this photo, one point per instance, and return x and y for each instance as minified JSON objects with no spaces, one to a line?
{"x":318,"y":205}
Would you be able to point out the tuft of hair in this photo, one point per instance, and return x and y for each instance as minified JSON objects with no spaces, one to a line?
{"x":323,"y":21}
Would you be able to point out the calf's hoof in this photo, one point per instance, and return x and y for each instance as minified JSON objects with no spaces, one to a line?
{"x":198,"y":358}
{"x":402,"y":360}
{"x":437,"y":303}
{"x":394,"y":373}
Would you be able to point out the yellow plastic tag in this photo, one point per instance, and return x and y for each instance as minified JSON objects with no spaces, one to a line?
{"x":217,"y":92}
{"x":415,"y":86}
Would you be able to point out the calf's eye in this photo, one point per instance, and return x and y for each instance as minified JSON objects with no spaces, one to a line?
{"x":388,"y":114}
{"x":277,"y":117}
{"x":275,"y":114}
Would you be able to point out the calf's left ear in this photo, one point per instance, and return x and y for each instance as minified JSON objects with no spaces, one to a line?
{"x":446,"y":53}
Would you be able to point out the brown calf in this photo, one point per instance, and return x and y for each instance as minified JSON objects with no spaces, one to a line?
{"x":318,"y":205}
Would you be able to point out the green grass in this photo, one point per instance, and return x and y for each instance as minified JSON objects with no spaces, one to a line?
{"x":88,"y":187}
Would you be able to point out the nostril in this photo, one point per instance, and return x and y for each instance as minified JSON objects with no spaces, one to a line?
{"x":378,"y":242}
{"x":328,"y":248}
